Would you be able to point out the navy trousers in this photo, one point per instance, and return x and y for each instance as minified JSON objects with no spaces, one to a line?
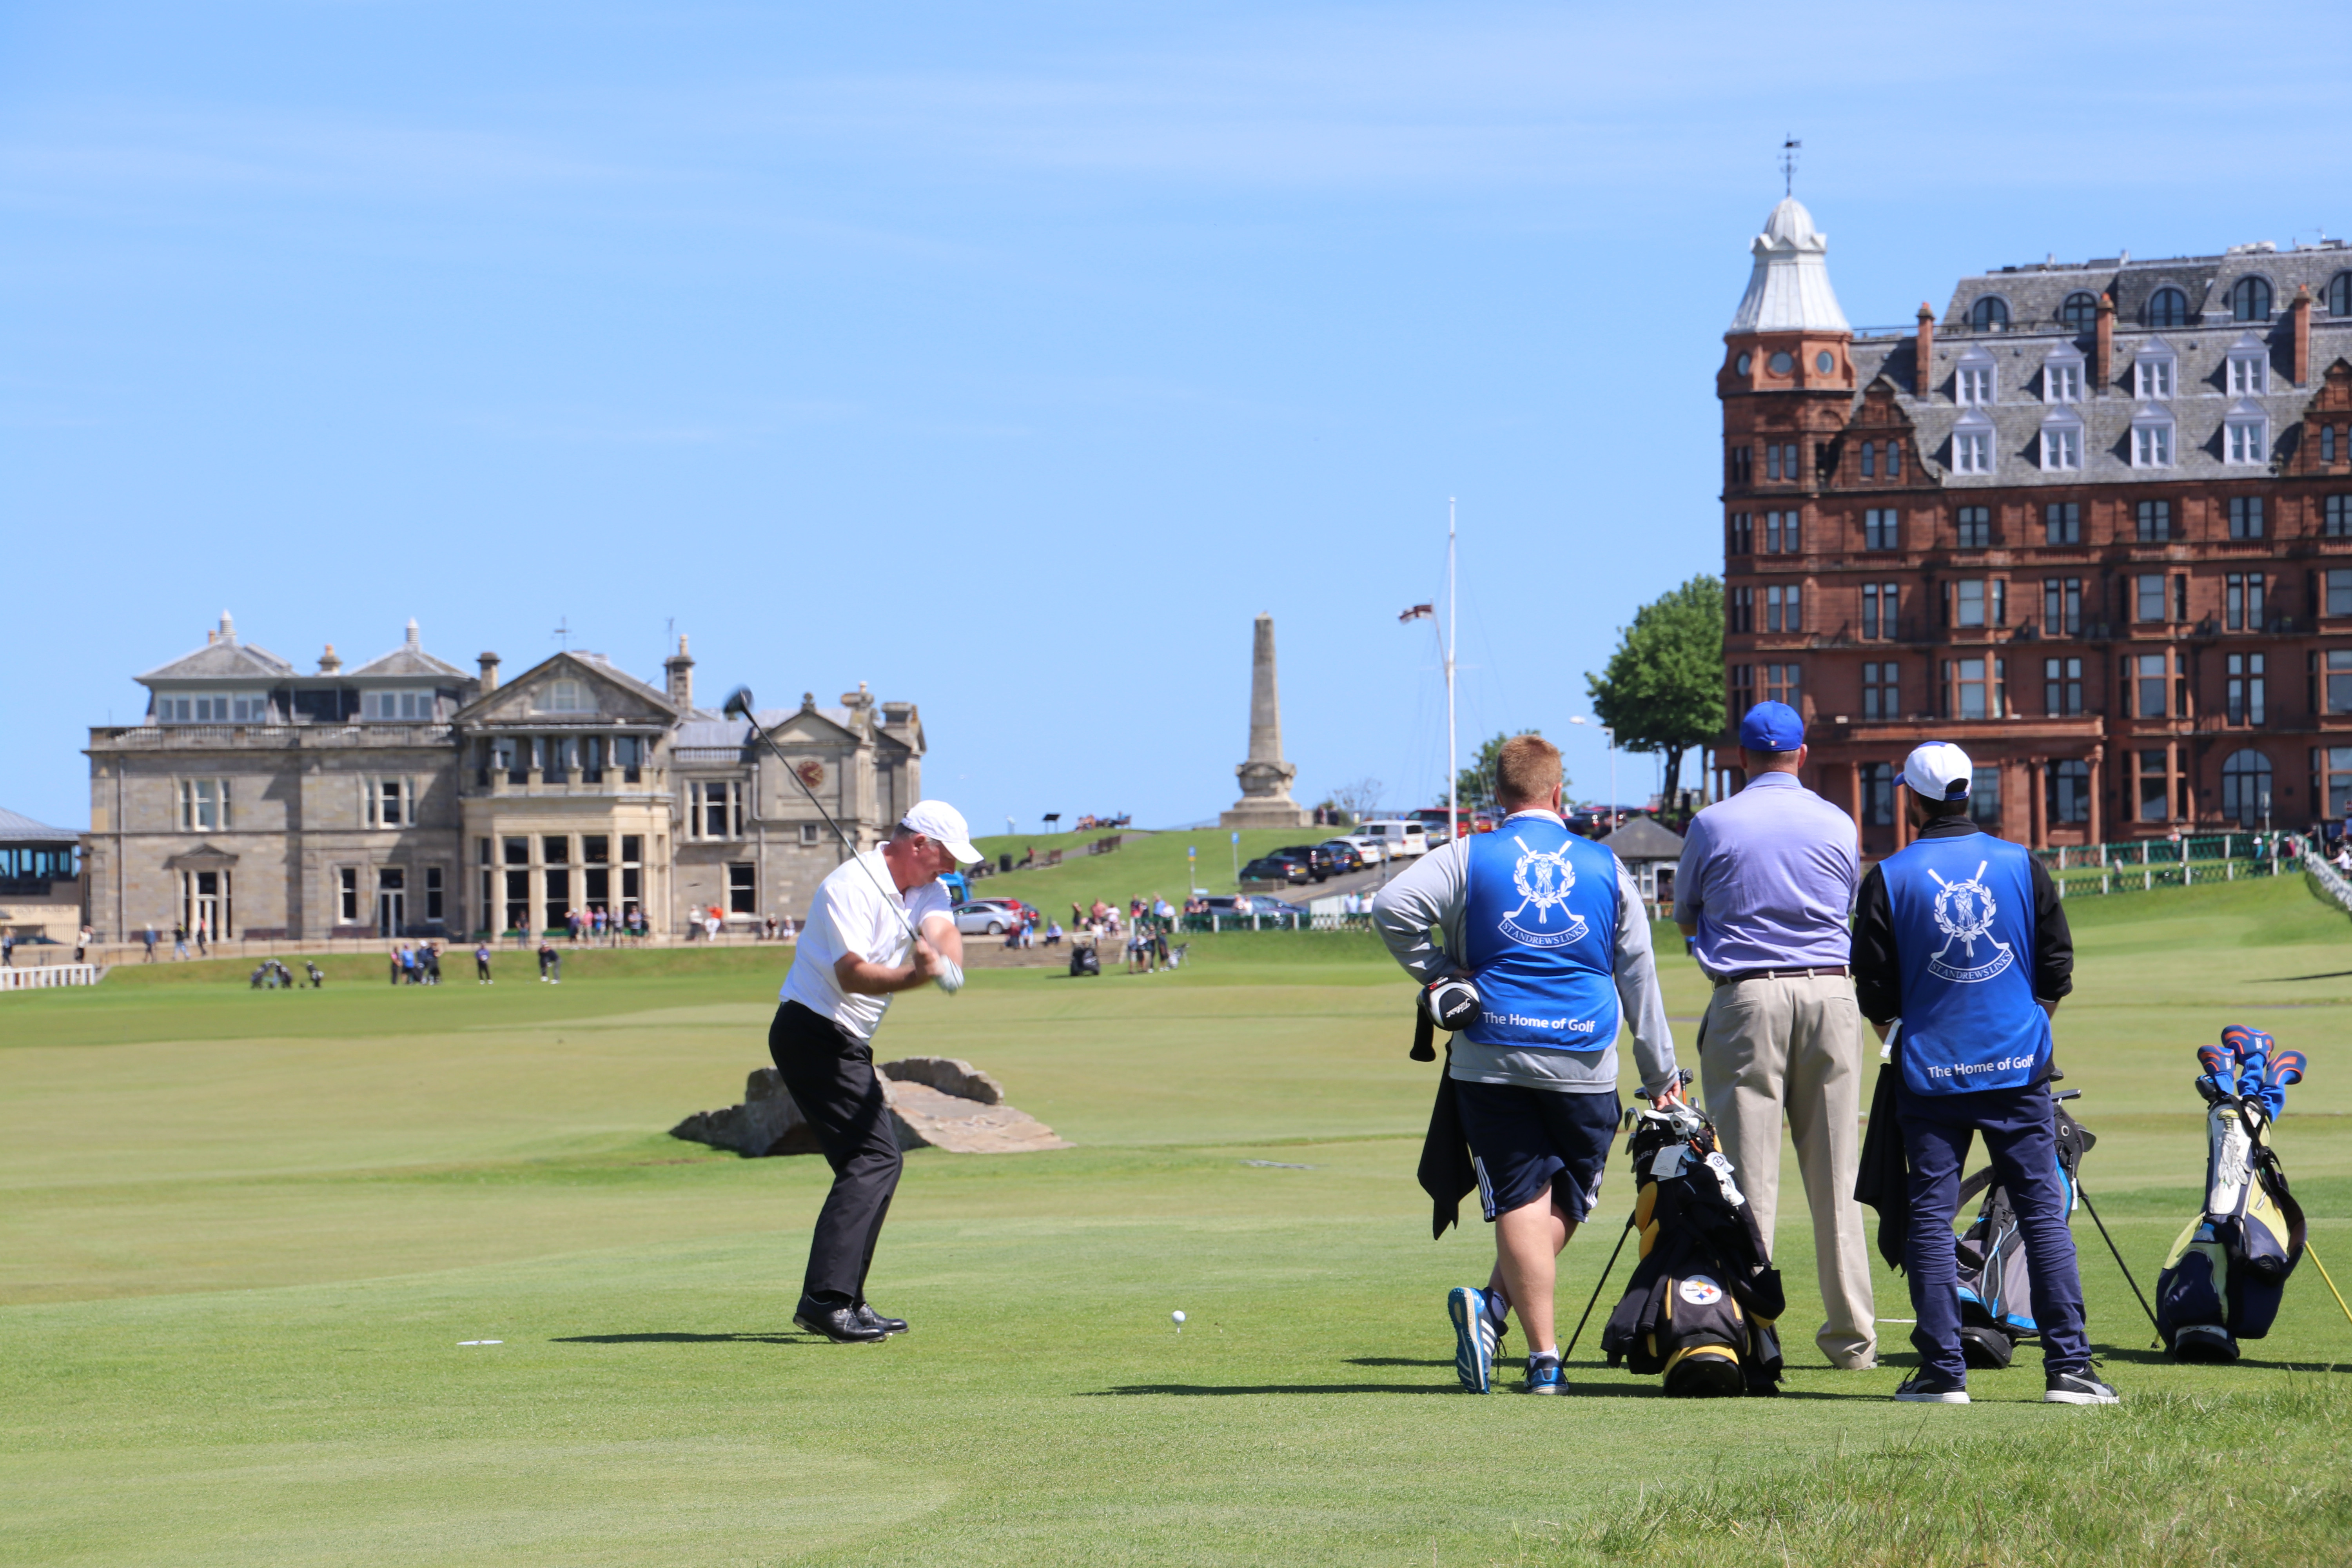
{"x":2021,"y":1134}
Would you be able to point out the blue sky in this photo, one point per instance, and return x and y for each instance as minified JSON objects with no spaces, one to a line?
{"x":1007,"y":360}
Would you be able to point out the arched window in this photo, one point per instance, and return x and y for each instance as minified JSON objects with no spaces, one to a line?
{"x":2246,"y":789}
{"x":2167,"y":308}
{"x":1990,"y":314}
{"x":2080,"y":311}
{"x":2250,"y":300}
{"x":2069,"y":790}
{"x":2340,"y":295}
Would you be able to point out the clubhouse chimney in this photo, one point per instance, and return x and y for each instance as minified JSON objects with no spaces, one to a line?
{"x":2298,"y":316}
{"x":1924,"y":353}
{"x":681,"y":677}
{"x":490,"y":665}
{"x":2102,"y":345}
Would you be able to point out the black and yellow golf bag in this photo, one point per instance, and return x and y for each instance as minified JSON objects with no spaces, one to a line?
{"x":1704,"y":1298}
{"x":2223,"y":1279}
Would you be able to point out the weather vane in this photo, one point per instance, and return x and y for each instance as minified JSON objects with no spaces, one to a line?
{"x":562,"y":632}
{"x":1789,"y":150}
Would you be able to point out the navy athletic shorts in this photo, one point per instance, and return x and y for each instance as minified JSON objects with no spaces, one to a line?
{"x":1524,"y":1140}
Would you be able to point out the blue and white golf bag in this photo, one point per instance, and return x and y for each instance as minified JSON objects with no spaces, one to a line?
{"x":2222,"y":1282}
{"x":1996,"y":1283}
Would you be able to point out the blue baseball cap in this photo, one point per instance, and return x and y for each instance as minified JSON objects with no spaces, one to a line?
{"x":1771,"y":727}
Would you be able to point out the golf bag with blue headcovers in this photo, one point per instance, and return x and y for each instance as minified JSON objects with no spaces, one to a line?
{"x":1702,"y":1301}
{"x":1996,"y":1284}
{"x":2222,"y":1282}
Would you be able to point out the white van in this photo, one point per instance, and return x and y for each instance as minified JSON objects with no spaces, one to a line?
{"x":1391,"y":839}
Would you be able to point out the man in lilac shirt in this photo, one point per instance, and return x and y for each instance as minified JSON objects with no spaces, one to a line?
{"x":1766,"y":886}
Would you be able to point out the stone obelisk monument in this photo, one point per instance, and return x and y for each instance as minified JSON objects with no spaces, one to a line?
{"x":1266,"y":778}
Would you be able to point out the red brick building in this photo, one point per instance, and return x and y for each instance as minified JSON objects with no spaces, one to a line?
{"x":2095,"y":524}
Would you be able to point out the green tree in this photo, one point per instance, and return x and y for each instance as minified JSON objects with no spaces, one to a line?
{"x":1663,"y":690}
{"x":1475,"y":784}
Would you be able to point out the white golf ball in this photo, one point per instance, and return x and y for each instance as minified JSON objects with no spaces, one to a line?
{"x":1176,"y":1317}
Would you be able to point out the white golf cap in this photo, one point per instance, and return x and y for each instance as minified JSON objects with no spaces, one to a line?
{"x":1939,"y":770}
{"x":943,"y":824}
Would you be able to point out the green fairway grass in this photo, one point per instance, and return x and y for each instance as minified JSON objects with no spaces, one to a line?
{"x":244,"y":1235}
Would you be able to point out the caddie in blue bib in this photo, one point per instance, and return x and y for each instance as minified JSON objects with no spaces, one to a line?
{"x":1539,"y":930}
{"x":1962,"y":910}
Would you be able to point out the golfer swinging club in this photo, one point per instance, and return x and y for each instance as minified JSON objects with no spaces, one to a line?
{"x":880,"y":924}
{"x":1552,"y":931}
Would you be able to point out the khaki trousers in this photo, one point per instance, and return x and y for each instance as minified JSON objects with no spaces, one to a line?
{"x":1794,"y":1046}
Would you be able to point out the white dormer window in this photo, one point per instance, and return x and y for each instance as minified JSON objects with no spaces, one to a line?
{"x":1972,"y":381}
{"x":2155,"y":373}
{"x":1972,"y":443}
{"x":2062,"y":441}
{"x":395,"y":707}
{"x":212,"y":708}
{"x":564,"y":697}
{"x":2151,"y":438}
{"x":2249,"y":367}
{"x":2245,"y":434}
{"x":2061,"y":375}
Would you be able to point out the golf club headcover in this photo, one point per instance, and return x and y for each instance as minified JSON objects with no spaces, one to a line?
{"x":1424,"y":1035}
{"x":950,"y":978}
{"x":2218,"y":1066}
{"x":1452,"y":1003}
{"x":2288,"y":1068}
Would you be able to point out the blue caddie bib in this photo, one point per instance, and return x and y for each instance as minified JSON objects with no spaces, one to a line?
{"x":1540,"y":935}
{"x":1963,"y":915}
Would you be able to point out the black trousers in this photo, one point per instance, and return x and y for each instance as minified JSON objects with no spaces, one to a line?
{"x":830,"y":1076}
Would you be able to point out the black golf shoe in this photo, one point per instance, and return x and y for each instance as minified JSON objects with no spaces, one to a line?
{"x":2084,"y":1387}
{"x":842,"y":1325}
{"x":874,"y":1320}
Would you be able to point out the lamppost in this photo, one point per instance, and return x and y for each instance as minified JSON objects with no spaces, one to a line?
{"x":1609,"y":739}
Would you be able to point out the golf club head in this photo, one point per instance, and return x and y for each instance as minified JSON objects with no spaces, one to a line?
{"x":739,"y":703}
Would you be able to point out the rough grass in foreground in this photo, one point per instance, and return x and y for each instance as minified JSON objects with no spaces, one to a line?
{"x":2254,"y":1477}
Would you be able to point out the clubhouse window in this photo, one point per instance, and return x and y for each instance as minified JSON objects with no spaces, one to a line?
{"x":2336,"y":513}
{"x":1743,"y":609}
{"x":1984,"y":797}
{"x":2243,"y":601}
{"x":2147,"y":596}
{"x":2061,"y":522}
{"x":1972,"y":526}
{"x":213,"y":708}
{"x":1981,"y":602}
{"x":1780,"y":533}
{"x":1881,"y":529}
{"x":397,"y":707}
{"x":2062,"y":607}
{"x":1878,"y":794}
{"x":2332,"y":768}
{"x":2339,"y":593}
{"x":2062,"y":687}
{"x":2245,"y":517}
{"x":1782,"y":684}
{"x":347,"y":894}
{"x":2153,"y":796}
{"x":2069,"y":790}
{"x":392,"y":803}
{"x":2148,"y":679}
{"x":1882,"y":689}
{"x":1974,"y":687}
{"x":742,"y":891}
{"x":1784,"y":608}
{"x":1869,"y":459}
{"x":1743,"y":690}
{"x":203,"y":806}
{"x":1739,"y":535}
{"x":633,"y":870}
{"x":1880,"y":603}
{"x":2152,"y":521}
{"x":2337,"y":672}
{"x":2245,"y":688}
{"x":596,"y":871}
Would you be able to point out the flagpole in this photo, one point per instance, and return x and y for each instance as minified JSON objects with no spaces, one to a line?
{"x":1453,"y":764}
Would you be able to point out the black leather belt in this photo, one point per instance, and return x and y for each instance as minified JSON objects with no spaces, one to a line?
{"x":1835,"y":972}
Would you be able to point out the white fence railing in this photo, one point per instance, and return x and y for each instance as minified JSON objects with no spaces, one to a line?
{"x":37,"y":976}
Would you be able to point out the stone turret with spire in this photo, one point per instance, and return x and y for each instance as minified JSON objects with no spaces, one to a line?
{"x":1266,"y":778}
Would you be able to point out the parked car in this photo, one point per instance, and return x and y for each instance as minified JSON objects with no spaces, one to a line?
{"x":983,"y":917}
{"x":1320,"y":865}
{"x":1345,"y":855}
{"x":1396,"y":836}
{"x":1433,"y":822}
{"x":1243,"y":905}
{"x":1284,"y":867}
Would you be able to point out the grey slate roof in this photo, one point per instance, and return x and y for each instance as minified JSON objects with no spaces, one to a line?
{"x":1643,"y":839}
{"x":15,"y":827}
{"x":2198,"y":406}
{"x":222,"y":661}
{"x":409,"y":660}
{"x":2034,"y":294}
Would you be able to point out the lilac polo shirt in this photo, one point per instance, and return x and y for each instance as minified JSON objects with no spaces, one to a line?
{"x":1770,"y":877}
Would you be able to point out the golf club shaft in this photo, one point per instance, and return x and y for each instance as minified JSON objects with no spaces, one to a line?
{"x":1596,"y":1288}
{"x":2085,"y":1193}
{"x":892,"y":904}
{"x":2331,"y":1281}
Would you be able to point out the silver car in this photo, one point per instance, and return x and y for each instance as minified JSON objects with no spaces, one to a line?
{"x":983,"y":917}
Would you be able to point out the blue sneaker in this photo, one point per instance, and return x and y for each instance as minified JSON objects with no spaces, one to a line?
{"x":1473,"y":1339}
{"x":1544,"y":1376}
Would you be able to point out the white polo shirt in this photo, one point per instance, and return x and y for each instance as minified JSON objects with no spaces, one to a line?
{"x":850,"y":914}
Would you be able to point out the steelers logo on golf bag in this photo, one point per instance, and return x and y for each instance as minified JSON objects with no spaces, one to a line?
{"x":1700,"y":1291}
{"x":1543,"y":881}
{"x":1964,"y":912}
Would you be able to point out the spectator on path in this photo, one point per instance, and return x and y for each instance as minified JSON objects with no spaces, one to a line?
{"x":9,"y":949}
{"x":1053,"y":934}
{"x":179,"y":942}
{"x":204,"y":936}
{"x":482,"y":962}
{"x":432,"y":963}
{"x":147,"y":936}
{"x":393,"y":965}
{"x":81,"y":944}
{"x":1766,"y":884}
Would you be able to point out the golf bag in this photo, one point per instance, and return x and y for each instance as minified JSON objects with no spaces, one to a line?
{"x":2223,"y":1279}
{"x":1704,"y":1298}
{"x":1083,"y":961}
{"x":1996,"y":1283}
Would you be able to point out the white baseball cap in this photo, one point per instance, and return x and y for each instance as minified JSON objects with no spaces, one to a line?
{"x":1939,"y":770}
{"x":943,"y":824}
